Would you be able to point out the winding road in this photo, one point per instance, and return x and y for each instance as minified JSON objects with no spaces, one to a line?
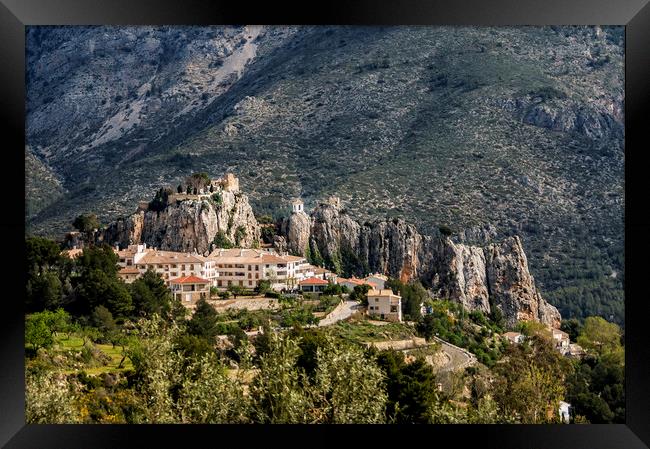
{"x":341,"y":312}
{"x":457,"y":358}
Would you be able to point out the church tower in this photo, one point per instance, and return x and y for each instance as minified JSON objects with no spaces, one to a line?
{"x":297,"y":205}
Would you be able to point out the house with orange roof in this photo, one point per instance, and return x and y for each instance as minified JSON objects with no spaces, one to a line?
{"x":168,"y":264}
{"x":128,"y":274}
{"x":189,"y":289}
{"x":385,"y":305}
{"x":353,"y":282}
{"x":313,"y":285}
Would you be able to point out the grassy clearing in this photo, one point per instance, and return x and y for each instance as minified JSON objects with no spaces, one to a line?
{"x":432,"y":349}
{"x":63,"y":343}
{"x":362,"y":331}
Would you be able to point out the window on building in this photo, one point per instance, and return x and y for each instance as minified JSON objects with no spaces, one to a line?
{"x":241,"y":283}
{"x":218,"y":283}
{"x":393,"y":308}
{"x":257,"y":268}
{"x":250,"y":268}
{"x":250,"y":282}
{"x":376,"y":299}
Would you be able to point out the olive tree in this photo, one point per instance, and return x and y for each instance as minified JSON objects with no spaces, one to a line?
{"x":50,"y":399}
{"x":209,"y":396}
{"x":277,"y":396}
{"x":348,"y":385}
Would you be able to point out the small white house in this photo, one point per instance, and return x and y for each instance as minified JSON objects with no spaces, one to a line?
{"x":561,"y":340}
{"x":385,"y":305}
{"x":514,"y":337}
{"x":377,"y":279}
{"x":297,"y":205}
{"x":564,"y":411}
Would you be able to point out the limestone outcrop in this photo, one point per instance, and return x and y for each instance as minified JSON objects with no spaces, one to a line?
{"x":480,"y":275}
{"x":189,"y":224}
{"x":512,"y":287}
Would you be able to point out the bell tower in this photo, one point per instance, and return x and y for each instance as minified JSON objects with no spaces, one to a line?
{"x":297,"y":206}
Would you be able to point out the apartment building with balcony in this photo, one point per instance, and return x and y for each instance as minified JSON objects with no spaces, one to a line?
{"x":247,"y":267}
{"x":168,"y":264}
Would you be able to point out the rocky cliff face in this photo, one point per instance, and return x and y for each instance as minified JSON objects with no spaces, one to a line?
{"x":459,"y":272}
{"x":297,"y":230}
{"x":189,"y":225}
{"x":481,"y":275}
{"x":512,"y":287}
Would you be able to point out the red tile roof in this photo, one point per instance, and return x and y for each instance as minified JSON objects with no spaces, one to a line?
{"x":190,"y":280}
{"x":356,"y":281}
{"x":313,"y":281}
{"x":129,"y":270}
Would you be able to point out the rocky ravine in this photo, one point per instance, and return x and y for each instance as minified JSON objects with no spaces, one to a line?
{"x":480,"y":276}
{"x":189,"y":225}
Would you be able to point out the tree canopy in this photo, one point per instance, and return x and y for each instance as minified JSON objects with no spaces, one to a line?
{"x":86,"y":223}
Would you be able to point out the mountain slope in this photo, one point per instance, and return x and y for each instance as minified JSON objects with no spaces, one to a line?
{"x":456,"y":126}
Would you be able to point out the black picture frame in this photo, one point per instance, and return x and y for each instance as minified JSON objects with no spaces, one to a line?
{"x":634,"y":14}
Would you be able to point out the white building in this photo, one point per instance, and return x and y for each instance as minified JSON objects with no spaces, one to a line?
{"x":354,"y":282}
{"x":379,"y":280}
{"x":565,"y":410}
{"x":168,"y":264}
{"x":247,"y":267}
{"x":385,"y":304}
{"x":561,"y":340}
{"x":189,"y":289}
{"x":297,"y":206}
{"x":514,"y":337}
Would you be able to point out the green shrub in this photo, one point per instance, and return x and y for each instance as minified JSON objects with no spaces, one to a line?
{"x":216,"y":197}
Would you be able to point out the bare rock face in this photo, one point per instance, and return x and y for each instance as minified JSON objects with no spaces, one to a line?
{"x":297,"y":229}
{"x":393,"y":247}
{"x":512,"y":287}
{"x":460,"y":274}
{"x":480,"y":276}
{"x":125,"y":231}
{"x":333,"y":231}
{"x":189,"y":225}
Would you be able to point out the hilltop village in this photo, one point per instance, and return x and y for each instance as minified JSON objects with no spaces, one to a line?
{"x":250,"y":272}
{"x":191,"y":276}
{"x":193,"y":286}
